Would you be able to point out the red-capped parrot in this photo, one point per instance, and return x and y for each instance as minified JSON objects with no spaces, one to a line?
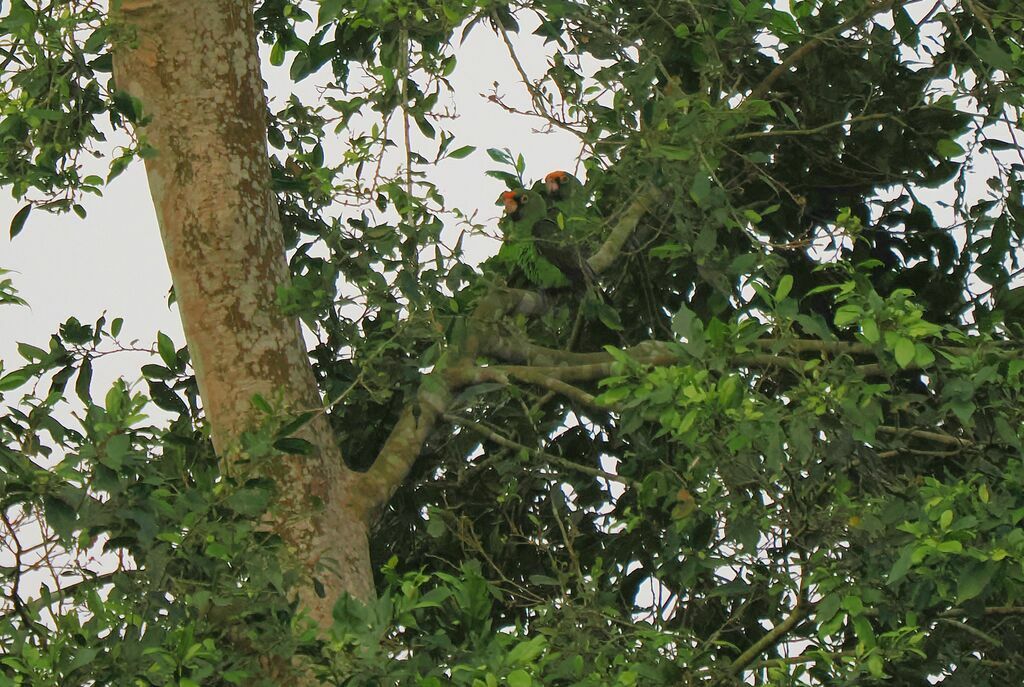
{"x":526,"y":215}
{"x":561,"y":186}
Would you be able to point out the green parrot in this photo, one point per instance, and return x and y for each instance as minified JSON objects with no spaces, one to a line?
{"x":526,"y":215}
{"x":561,"y":186}
{"x":563,"y":193}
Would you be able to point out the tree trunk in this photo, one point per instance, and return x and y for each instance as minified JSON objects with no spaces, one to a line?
{"x":194,"y":66}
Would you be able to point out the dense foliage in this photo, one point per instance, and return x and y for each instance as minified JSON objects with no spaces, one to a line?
{"x":782,"y":445}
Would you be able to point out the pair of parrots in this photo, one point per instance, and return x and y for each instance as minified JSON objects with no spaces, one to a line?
{"x":533,"y":215}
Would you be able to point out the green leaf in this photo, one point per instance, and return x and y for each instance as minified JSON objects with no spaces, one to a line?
{"x":14,"y":379}
{"x":115,"y":326}
{"x":784,"y":287}
{"x":876,"y":666}
{"x":995,"y":56}
{"x":948,"y":148}
{"x":700,"y":189}
{"x":329,"y":11}
{"x":923,"y":356}
{"x":117,"y":447}
{"x":83,"y":656}
{"x":869,"y":328}
{"x":827,"y":608}
{"x":20,"y":217}
{"x":294,"y":446}
{"x":904,"y":350}
{"x":84,"y":381}
{"x":853,"y":604}
{"x":500,"y":156}
{"x":519,"y":678}
{"x":983,"y":492}
{"x":165,"y":347}
{"x":526,"y":652}
{"x":686,"y":324}
{"x":156,"y":372}
{"x":249,"y":502}
{"x":260,"y":404}
{"x":295,"y":423}
{"x":901,"y":566}
{"x":59,"y":515}
{"x":165,"y":398}
{"x":613,"y":396}
{"x":462,"y":152}
{"x":973,"y":579}
{"x":31,"y":353}
{"x":670,"y":152}
{"x":847,"y":314}
{"x":609,"y":316}
{"x":436,"y":528}
{"x":277,"y":54}
{"x":544,"y":580}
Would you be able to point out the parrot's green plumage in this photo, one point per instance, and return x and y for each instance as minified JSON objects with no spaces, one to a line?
{"x":526,"y":220}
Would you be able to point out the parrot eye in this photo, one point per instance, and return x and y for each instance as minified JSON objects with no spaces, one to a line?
{"x":523,"y":199}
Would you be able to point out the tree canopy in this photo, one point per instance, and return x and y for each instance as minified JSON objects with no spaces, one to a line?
{"x":777,"y":441}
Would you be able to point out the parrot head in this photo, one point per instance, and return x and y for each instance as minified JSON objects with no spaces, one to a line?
{"x":560,"y":185}
{"x":511,"y":202}
{"x":555,"y":179}
{"x":518,"y":205}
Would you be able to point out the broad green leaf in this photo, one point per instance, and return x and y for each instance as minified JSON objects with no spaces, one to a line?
{"x":519,"y":678}
{"x":14,"y":379}
{"x":20,"y":217}
{"x":784,"y":287}
{"x":462,"y":152}
{"x":949,"y":148}
{"x":847,"y":314}
{"x":973,"y":579}
{"x":165,"y":347}
{"x":904,"y":351}
{"x":869,"y":328}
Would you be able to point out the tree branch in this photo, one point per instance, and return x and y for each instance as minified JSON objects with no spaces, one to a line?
{"x":461,"y":377}
{"x":937,"y":437}
{"x":643,"y":202}
{"x":813,"y":130}
{"x":419,"y":417}
{"x":550,"y":457}
{"x":771,"y":638}
{"x":402,"y":447}
{"x":762,"y":89}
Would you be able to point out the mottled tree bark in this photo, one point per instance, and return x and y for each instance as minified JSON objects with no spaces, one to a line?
{"x":194,"y":66}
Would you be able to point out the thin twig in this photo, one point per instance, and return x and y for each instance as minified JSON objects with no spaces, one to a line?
{"x":762,"y":89}
{"x":549,"y":457}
